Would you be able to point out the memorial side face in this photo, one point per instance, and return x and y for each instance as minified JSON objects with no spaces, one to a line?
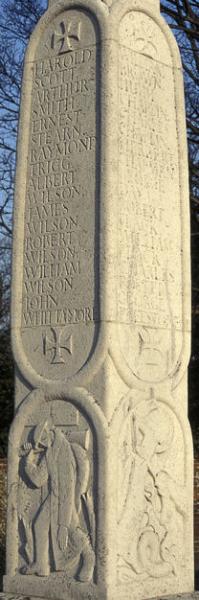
{"x":60,"y":280}
{"x":150,"y":294}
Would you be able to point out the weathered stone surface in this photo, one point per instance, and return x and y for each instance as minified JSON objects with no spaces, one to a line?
{"x":100,"y":452}
{"x":150,"y":294}
{"x":193,"y":596}
{"x":59,"y":281}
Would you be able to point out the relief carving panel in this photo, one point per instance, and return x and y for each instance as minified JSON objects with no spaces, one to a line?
{"x":150,"y":286}
{"x":60,"y":308}
{"x":56,"y":516}
{"x":151,"y":493}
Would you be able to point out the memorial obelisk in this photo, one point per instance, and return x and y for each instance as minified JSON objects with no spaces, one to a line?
{"x":100,"y":449}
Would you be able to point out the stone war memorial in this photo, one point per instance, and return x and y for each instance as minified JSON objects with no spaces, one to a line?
{"x":100,"y":502}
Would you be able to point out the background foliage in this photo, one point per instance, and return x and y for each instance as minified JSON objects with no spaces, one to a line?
{"x":17,"y":20}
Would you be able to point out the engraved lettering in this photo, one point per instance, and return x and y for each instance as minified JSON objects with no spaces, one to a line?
{"x":61,"y":204}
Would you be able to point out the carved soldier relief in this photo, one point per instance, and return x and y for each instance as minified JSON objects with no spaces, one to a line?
{"x":56,"y":515}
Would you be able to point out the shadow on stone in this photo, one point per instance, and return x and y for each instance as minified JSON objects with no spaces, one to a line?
{"x":2,"y":565}
{"x":197,"y":580}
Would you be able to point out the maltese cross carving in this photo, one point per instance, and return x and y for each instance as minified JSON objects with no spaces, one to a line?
{"x":56,"y":343}
{"x":68,"y":33}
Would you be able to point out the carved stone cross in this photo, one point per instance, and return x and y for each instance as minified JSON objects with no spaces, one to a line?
{"x":62,"y":40}
{"x":57,"y":343}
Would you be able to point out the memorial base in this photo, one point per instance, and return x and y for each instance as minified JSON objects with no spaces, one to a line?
{"x":67,"y":589}
{"x":188,"y":596}
{"x":50,"y":587}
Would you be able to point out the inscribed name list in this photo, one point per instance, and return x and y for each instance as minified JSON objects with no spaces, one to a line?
{"x":150,"y":275}
{"x":59,"y":282}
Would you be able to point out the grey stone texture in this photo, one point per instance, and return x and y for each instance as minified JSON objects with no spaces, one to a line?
{"x":193,"y":596}
{"x":100,"y":449}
